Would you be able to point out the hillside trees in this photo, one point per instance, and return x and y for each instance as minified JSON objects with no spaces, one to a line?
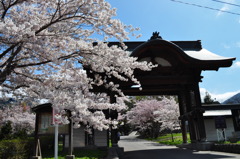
{"x":151,"y":116}
{"x":46,"y":43}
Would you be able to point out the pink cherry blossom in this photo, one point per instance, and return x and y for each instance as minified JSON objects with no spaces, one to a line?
{"x":20,"y":117}
{"x":151,"y":116}
{"x":46,"y":43}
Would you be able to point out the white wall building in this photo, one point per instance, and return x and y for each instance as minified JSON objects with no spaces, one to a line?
{"x":222,"y":122}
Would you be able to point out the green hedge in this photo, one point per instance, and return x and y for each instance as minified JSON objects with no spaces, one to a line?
{"x":16,"y":148}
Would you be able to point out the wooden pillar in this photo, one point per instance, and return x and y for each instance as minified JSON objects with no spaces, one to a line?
{"x":193,"y":116}
{"x":70,"y":139}
{"x":113,"y":115}
{"x":199,"y":114}
{"x":196,"y":120}
{"x":183,"y":111}
{"x":36,"y":137}
{"x":190,"y":118}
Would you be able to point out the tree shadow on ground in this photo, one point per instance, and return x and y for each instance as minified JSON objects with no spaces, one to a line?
{"x":176,"y":154}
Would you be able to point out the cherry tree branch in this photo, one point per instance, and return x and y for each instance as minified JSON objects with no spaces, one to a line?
{"x":6,"y":8}
{"x":7,"y":50}
{"x":12,"y":56}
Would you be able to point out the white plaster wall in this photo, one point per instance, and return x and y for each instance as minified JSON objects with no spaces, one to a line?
{"x":100,"y":138}
{"x":211,"y":132}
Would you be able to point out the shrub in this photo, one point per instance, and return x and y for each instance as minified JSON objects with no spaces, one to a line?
{"x":16,"y":149}
{"x":6,"y":131}
{"x":13,"y":131}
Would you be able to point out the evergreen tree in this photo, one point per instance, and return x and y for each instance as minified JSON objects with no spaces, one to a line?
{"x":208,"y":99}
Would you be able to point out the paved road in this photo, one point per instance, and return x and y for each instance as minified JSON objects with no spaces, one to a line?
{"x":141,"y":149}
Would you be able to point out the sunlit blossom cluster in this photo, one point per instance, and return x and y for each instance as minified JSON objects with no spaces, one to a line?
{"x":46,"y":43}
{"x":151,"y":113}
{"x":36,"y":33}
{"x":69,"y":91}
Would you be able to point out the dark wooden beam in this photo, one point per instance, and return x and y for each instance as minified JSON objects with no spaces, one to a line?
{"x":221,"y":106}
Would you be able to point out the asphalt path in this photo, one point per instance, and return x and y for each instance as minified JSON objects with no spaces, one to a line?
{"x":135,"y":148}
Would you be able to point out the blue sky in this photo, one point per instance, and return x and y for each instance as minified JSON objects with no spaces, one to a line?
{"x":218,"y":31}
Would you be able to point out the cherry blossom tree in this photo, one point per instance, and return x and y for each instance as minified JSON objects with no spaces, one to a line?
{"x":39,"y":36}
{"x":46,"y":43}
{"x":70,"y":92}
{"x":20,"y":118}
{"x":171,"y":111}
{"x":151,"y":116}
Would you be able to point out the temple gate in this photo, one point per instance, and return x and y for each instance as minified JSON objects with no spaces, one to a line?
{"x":180,"y":64}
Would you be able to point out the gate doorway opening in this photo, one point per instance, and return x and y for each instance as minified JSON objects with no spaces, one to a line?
{"x":152,"y":117}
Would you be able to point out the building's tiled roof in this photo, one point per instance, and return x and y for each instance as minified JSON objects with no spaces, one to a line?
{"x":192,"y":48}
{"x":204,"y":54}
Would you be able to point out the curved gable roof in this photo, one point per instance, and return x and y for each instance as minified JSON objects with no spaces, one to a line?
{"x":190,"y":53}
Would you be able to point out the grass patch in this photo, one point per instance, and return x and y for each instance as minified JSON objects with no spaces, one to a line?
{"x":169,"y":139}
{"x":110,"y":143}
{"x":228,"y":142}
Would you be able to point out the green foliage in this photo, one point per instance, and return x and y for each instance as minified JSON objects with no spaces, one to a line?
{"x":167,"y":139}
{"x":23,"y":149}
{"x":208,"y":99}
{"x":110,"y":143}
{"x":22,"y":134}
{"x":16,"y":149}
{"x":6,"y":131}
{"x":124,"y":128}
{"x":14,"y":145}
{"x":139,"y":98}
{"x":47,"y":148}
{"x":153,"y":131}
{"x":130,"y":104}
{"x":228,"y":142}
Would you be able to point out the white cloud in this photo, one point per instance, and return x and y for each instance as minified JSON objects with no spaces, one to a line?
{"x":224,"y":8}
{"x":224,"y":96}
{"x":231,"y":45}
{"x":236,"y":64}
{"x":218,"y":97}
